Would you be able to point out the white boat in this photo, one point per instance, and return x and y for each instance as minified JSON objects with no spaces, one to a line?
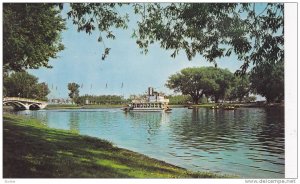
{"x":154,"y":102}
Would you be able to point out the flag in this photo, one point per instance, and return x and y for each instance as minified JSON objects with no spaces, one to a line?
{"x":122,"y":85}
{"x":106,"y":85}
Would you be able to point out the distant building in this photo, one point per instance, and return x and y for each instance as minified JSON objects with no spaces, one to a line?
{"x":60,"y":101}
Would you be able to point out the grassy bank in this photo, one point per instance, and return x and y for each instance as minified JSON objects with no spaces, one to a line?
{"x":32,"y":150}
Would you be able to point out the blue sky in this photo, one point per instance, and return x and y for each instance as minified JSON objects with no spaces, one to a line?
{"x":81,"y":62}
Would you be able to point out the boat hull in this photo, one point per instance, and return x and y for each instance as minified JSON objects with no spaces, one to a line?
{"x":147,"y":110}
{"x":127,"y":109}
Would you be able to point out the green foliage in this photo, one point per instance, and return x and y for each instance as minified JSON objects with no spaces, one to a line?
{"x":179,"y":99}
{"x":268,"y":80}
{"x":211,"y":81}
{"x":74,"y":91}
{"x":31,"y":31}
{"x":240,"y":88}
{"x":250,"y":99}
{"x":31,"y":35}
{"x":214,"y":30}
{"x":42,"y":91}
{"x":100,"y":100}
{"x":22,"y":84}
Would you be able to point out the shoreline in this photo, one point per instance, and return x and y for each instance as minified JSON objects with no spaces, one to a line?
{"x":52,"y":153}
{"x":207,"y":105}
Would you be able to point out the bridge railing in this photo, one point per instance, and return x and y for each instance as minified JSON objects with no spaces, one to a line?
{"x":22,"y":99}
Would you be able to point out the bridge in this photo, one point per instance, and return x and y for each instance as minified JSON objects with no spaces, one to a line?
{"x":24,"y":103}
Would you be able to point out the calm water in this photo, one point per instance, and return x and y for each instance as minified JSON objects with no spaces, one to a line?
{"x":248,"y":142}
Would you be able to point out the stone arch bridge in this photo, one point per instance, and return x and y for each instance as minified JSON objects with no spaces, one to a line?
{"x":24,"y":103}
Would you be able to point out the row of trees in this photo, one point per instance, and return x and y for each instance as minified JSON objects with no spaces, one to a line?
{"x":219,"y":83}
{"x":99,"y":100}
{"x":25,"y":85}
{"x":193,"y":83}
{"x":22,"y":84}
{"x":179,"y":99}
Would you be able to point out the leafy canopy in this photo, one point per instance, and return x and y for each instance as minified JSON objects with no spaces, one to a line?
{"x":74,"y":91}
{"x":240,"y":88}
{"x":31,"y":35}
{"x":196,"y":82}
{"x":215,"y":30}
{"x":268,"y":81}
{"x":31,"y":31}
{"x":22,"y":84}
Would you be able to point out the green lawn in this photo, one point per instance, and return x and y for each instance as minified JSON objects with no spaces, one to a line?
{"x":32,"y":150}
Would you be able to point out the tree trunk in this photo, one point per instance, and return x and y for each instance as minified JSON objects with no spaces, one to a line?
{"x":216,"y":98}
{"x":195,"y":99}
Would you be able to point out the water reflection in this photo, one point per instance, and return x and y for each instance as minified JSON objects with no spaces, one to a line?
{"x":74,"y":122}
{"x":248,"y":141}
{"x":208,"y":126}
{"x":244,"y":138}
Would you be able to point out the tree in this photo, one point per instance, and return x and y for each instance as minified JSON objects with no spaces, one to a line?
{"x":240,"y":88}
{"x":22,"y":84}
{"x":102,"y":99}
{"x":250,"y":99}
{"x":195,"y":82}
{"x":179,"y":99}
{"x":31,"y":35}
{"x":268,"y":81}
{"x":74,"y":91}
{"x":224,"y":80}
{"x":188,"y":82}
{"x":255,"y":34}
{"x":42,"y":91}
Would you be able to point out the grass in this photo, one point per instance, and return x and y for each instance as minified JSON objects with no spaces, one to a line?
{"x":32,"y":150}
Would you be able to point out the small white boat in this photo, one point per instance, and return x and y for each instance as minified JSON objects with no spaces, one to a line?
{"x":154,"y":102}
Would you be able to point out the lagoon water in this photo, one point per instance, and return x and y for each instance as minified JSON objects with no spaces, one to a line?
{"x":248,"y":142}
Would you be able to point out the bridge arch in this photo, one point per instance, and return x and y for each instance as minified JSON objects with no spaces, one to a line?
{"x":17,"y":105}
{"x":24,"y":103}
{"x":34,"y":106}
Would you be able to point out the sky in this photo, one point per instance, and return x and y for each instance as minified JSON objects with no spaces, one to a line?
{"x":81,"y":63}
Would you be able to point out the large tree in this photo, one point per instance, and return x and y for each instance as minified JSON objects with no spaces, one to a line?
{"x":74,"y":91}
{"x":211,"y":81}
{"x":22,"y":84}
{"x":240,"y":88}
{"x":31,"y":35}
{"x":253,"y":31}
{"x":268,"y":81}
